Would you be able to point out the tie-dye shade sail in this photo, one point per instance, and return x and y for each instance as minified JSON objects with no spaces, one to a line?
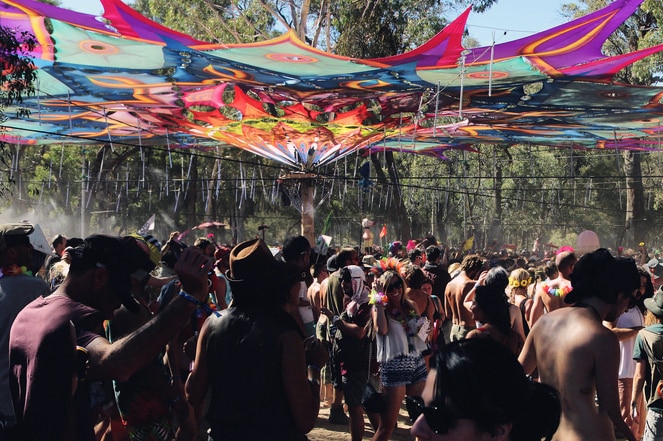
{"x":134,"y":81}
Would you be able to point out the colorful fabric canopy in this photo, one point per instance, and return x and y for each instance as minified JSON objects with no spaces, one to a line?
{"x":128,"y":80}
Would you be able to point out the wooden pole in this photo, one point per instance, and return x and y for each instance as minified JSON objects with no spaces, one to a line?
{"x":308,"y":210}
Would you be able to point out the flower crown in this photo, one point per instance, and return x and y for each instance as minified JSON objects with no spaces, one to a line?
{"x":391,"y":263}
{"x":520,"y":283}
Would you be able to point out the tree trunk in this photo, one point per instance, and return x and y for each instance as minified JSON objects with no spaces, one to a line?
{"x":495,"y":232}
{"x":404,"y":229}
{"x":400,"y":217}
{"x":634,"y":222}
{"x":308,"y":210}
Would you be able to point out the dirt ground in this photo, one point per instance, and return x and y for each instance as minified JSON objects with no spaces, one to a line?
{"x":324,"y":431}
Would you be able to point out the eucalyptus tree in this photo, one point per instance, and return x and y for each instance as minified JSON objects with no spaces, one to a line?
{"x":641,"y":30}
{"x":17,"y":76}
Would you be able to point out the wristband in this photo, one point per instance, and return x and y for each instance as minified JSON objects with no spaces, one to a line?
{"x":378,"y":298}
{"x":202,"y":305}
{"x":315,"y":381}
{"x":313,"y":366}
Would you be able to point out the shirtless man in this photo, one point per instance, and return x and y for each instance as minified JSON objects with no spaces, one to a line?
{"x":550,"y":295}
{"x":579,"y":356}
{"x":456,"y":291}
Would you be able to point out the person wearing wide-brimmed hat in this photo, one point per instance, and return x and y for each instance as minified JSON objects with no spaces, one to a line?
{"x":263,"y":376}
{"x":648,"y":353}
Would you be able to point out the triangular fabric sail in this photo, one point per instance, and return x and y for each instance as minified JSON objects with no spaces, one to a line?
{"x":136,"y":82}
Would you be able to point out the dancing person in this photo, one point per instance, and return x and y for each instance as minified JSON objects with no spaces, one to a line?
{"x":477,"y":391}
{"x":352,"y":345}
{"x":648,"y":354}
{"x":397,"y":323}
{"x":550,"y":295}
{"x":18,"y":288}
{"x":263,"y":377}
{"x":99,"y":282}
{"x":297,"y":250}
{"x":332,"y":294}
{"x":491,"y":308}
{"x":579,"y":356}
{"x":519,"y":281}
{"x":456,"y":291}
{"x":626,"y":328}
{"x":149,"y":399}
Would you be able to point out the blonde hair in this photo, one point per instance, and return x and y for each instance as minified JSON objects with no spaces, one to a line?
{"x":519,"y":278}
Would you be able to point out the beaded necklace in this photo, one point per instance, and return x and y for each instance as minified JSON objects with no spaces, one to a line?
{"x":14,"y":270}
{"x":398,"y":315}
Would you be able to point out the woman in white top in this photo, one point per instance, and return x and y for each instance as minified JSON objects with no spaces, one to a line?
{"x":401,"y":337}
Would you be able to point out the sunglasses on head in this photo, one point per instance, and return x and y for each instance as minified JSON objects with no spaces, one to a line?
{"x":394,"y":286}
{"x":440,"y":418}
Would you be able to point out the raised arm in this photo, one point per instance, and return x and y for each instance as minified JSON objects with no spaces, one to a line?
{"x":125,"y":356}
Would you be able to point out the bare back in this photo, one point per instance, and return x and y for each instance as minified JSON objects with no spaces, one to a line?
{"x":578,"y":356}
{"x":455,"y":294}
{"x":552,"y":301}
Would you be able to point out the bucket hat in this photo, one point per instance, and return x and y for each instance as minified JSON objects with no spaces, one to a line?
{"x":655,"y":304}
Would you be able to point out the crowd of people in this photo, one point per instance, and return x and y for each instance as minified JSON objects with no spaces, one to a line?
{"x":124,"y":338}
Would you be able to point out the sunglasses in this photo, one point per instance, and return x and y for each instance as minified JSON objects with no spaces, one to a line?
{"x":439,"y":418}
{"x":394,"y":286}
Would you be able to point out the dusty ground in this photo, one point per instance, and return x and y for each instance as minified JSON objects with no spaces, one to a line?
{"x":330,"y":432}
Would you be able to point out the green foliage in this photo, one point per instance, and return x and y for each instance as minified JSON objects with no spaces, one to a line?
{"x":640,"y":31}
{"x":215,"y":21}
{"x":17,"y":75}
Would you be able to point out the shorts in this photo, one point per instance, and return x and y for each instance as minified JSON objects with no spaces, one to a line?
{"x":403,"y":371}
{"x":353,"y":387}
{"x":653,"y":426}
{"x":459,"y":332}
{"x":335,"y":371}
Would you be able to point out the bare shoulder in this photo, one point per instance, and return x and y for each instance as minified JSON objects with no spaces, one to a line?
{"x":567,"y":325}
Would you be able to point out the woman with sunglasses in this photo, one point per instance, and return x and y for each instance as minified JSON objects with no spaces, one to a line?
{"x":400,"y":339}
{"x":477,"y":391}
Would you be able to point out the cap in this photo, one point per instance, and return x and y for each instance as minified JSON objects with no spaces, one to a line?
{"x":368,"y":261}
{"x":331,"y":264}
{"x":14,"y":234}
{"x":102,"y":251}
{"x":655,"y":304}
{"x":39,"y":241}
{"x":152,"y":244}
{"x":655,"y":267}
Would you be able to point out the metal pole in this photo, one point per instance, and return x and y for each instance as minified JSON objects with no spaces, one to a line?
{"x":83,"y":191}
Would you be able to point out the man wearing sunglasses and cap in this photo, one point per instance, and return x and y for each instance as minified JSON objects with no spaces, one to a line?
{"x":18,"y":287}
{"x":98,"y":282}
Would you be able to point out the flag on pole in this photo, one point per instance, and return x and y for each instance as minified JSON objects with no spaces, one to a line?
{"x":383,"y":231}
{"x":469,"y":243}
{"x":327,"y":223}
{"x":322,"y":245}
{"x":149,"y":225}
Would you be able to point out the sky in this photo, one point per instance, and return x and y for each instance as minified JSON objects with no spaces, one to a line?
{"x":518,"y":18}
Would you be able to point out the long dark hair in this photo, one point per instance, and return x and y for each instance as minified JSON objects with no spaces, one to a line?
{"x":495,"y":305}
{"x":484,"y":380}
